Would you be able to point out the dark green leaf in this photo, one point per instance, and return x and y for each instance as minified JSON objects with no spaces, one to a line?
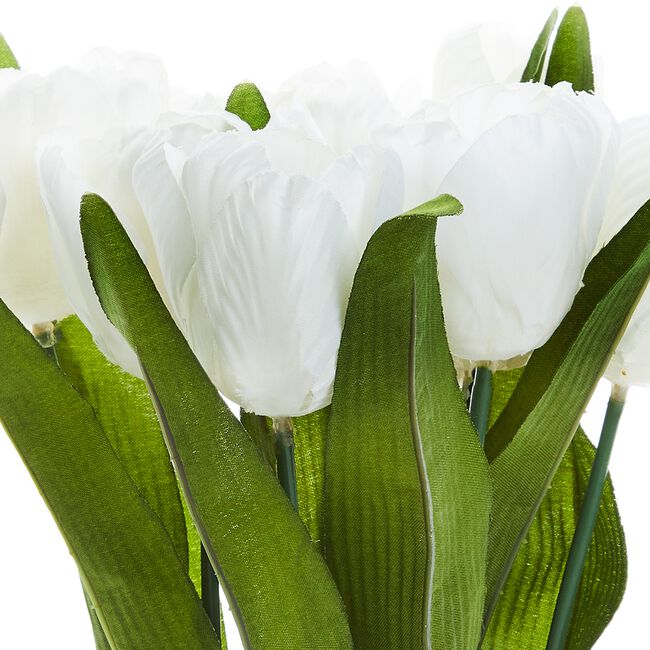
{"x":122,"y":406}
{"x":129,"y":567}
{"x":535,"y":65}
{"x":570,"y":58}
{"x":7,"y":58}
{"x":407,"y":488}
{"x":281,"y":592}
{"x":537,"y":425}
{"x":246,"y":102}
{"x":525,"y":609}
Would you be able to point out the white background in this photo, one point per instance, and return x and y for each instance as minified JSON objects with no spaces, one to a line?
{"x":212,"y":46}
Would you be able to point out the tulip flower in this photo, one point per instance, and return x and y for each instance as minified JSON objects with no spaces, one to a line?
{"x":104,"y":166}
{"x":278,"y":224}
{"x":532,"y":166}
{"x":105,"y":92}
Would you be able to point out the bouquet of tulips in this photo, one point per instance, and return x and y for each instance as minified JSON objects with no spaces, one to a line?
{"x":301,"y":356}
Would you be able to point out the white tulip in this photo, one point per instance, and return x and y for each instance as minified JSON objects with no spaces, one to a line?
{"x":104,"y":166}
{"x":279,"y":224}
{"x":531,"y":166}
{"x":107,"y":91}
{"x":630,"y":364}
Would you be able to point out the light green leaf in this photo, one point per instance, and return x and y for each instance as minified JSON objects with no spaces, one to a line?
{"x":535,"y":65}
{"x":247,"y":102}
{"x":129,"y":567}
{"x":525,"y":609}
{"x":570,"y":58}
{"x":537,"y":425}
{"x":407,"y":487}
{"x":7,"y":58}
{"x":281,"y":592}
{"x":122,"y":406}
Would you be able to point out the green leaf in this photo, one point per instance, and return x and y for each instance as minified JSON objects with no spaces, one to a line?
{"x":122,"y":406}
{"x":260,"y":550}
{"x":7,"y":58}
{"x":570,"y":58}
{"x":407,"y":487}
{"x":535,"y":65}
{"x":129,"y":567}
{"x":537,"y":425}
{"x":101,"y":642}
{"x":525,"y":609}
{"x":246,"y":102}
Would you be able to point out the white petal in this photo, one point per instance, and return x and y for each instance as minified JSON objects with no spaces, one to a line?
{"x":62,"y":191}
{"x":475,"y":56}
{"x":219,"y":165}
{"x":275,"y":268}
{"x":345,"y":104}
{"x":511,"y":264}
{"x":369,"y":185}
{"x":631,"y":186}
{"x":427,"y":151}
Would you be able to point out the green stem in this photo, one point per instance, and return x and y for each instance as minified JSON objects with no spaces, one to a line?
{"x":586,"y":522}
{"x":210,"y":593}
{"x":285,"y":458}
{"x":479,"y":401}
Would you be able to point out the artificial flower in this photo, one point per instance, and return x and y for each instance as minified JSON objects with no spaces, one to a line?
{"x":106,"y":91}
{"x":532,"y":166}
{"x":278,"y":224}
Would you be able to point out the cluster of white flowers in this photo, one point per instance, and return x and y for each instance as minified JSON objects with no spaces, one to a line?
{"x":253,"y":237}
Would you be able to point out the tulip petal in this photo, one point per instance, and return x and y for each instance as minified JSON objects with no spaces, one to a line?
{"x":529,"y":179}
{"x":475,"y":56}
{"x":369,"y":185}
{"x":62,"y":190}
{"x":631,"y":184}
{"x":275,"y":267}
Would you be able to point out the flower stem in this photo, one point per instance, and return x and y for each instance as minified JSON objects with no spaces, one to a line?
{"x":210,"y":593}
{"x":586,"y":523}
{"x":479,"y":401}
{"x":285,"y":458}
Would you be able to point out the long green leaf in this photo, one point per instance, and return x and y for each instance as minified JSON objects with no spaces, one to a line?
{"x":281,"y":592}
{"x":525,"y":608}
{"x":407,"y":488}
{"x":565,"y":371}
{"x":570,"y":58}
{"x":7,"y":58}
{"x":130,"y":569}
{"x":535,"y":65}
{"x":246,"y":101}
{"x":122,"y":406}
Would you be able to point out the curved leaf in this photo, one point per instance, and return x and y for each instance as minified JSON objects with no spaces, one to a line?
{"x":535,"y":65}
{"x":407,"y":496}
{"x":570,"y":58}
{"x":255,"y":541}
{"x":565,"y":372}
{"x":130,"y":569}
